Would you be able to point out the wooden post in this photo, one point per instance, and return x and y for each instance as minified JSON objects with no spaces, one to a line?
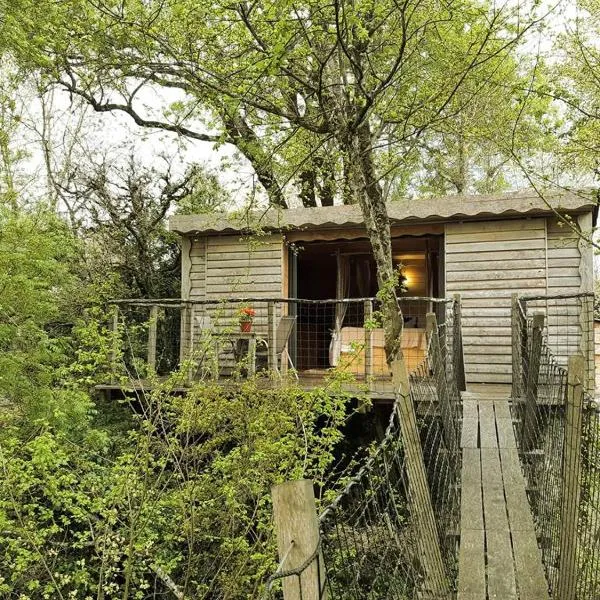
{"x":530,"y":424}
{"x":271,"y":337}
{"x":436,"y":583}
{"x":458,"y":351}
{"x":567,"y":573}
{"x":191,"y":316}
{"x":297,"y":529}
{"x":368,"y":309}
{"x":439,"y":373}
{"x":516,"y":342}
{"x":152,"y":335}
{"x":586,"y":345}
{"x":115,"y":343}
{"x":185,"y":333}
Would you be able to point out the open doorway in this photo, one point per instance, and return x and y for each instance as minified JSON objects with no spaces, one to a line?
{"x":346,"y":269}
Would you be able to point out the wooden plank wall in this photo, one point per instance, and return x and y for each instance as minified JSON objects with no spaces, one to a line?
{"x":564,"y":277}
{"x":230,"y":266}
{"x":486,"y":262}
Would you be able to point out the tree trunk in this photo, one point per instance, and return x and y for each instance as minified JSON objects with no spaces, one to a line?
{"x":370,"y":198}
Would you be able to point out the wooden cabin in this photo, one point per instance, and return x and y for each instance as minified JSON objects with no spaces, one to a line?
{"x":485,"y":248}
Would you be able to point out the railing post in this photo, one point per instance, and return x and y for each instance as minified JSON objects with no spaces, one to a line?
{"x":184,"y":333}
{"x":586,"y":346}
{"x":191,"y":327}
{"x":567,"y":573}
{"x":516,"y":342}
{"x":457,"y":348}
{"x":152,"y":335}
{"x":115,"y":343}
{"x":441,"y":384}
{"x":368,"y":309}
{"x":271,"y":337}
{"x":531,"y":390}
{"x":298,"y":535}
{"x":436,"y":582}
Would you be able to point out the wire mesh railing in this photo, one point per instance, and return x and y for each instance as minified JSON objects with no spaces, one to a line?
{"x":231,"y":337}
{"x":392,"y":531}
{"x":557,"y":428}
{"x":568,"y":326}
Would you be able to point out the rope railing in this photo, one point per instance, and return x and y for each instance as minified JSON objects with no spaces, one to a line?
{"x":392,"y":531}
{"x":557,"y":427}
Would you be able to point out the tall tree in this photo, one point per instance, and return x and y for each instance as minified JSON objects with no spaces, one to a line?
{"x":363,"y":75}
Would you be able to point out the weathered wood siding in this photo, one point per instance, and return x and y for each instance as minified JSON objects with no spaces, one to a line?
{"x":564,"y":277}
{"x":222,"y":267}
{"x":486,"y":262}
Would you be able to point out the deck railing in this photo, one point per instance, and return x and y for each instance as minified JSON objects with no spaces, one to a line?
{"x":558,"y":434}
{"x":158,"y":335}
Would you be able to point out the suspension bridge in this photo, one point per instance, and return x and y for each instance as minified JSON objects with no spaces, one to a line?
{"x":490,"y":493}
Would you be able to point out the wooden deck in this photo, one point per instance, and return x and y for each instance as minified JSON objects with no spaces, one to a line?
{"x":380,"y":388}
{"x":499,"y":556}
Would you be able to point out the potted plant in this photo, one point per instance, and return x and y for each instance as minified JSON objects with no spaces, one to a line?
{"x":246,"y":314}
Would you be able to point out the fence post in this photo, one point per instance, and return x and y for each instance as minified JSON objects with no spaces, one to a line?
{"x":298,"y":535}
{"x":115,"y":343}
{"x":457,"y":348}
{"x":368,"y":305}
{"x":567,"y":573}
{"x":531,"y":392}
{"x":438,"y":366}
{"x":152,"y":335}
{"x":516,"y":341}
{"x":586,"y":346}
{"x":436,"y":582}
{"x":185,"y":332}
{"x":271,"y":337}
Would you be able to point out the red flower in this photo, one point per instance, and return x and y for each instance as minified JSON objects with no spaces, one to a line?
{"x":246,"y":313}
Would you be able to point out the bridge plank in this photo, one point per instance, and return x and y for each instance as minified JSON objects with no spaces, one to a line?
{"x":506,"y":436}
{"x":487,"y":425}
{"x":531,"y":581}
{"x":469,"y":433}
{"x":502,"y":409}
{"x":519,"y":513}
{"x":494,"y":505}
{"x":497,"y":530}
{"x":471,"y":567}
{"x":471,"y":508}
{"x":500,"y":569}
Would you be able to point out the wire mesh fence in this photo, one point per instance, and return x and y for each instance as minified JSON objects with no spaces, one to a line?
{"x":559,"y":440}
{"x":568,"y":326}
{"x":232,"y":337}
{"x":376,"y":537}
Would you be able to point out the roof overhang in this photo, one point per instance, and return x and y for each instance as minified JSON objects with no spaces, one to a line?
{"x":437,"y":209}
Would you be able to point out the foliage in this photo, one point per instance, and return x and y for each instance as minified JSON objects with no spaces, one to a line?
{"x":186,"y":495}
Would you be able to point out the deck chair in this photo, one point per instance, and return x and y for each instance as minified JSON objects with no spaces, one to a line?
{"x":282,"y":337}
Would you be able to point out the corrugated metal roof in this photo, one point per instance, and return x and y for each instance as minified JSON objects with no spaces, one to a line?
{"x":446,"y":208}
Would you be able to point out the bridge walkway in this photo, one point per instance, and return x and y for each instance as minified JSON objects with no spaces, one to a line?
{"x":499,"y":557}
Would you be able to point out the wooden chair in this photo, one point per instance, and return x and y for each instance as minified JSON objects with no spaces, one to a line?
{"x":282,"y":337}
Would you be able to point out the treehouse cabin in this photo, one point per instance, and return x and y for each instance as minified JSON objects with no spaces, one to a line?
{"x":309,"y":276}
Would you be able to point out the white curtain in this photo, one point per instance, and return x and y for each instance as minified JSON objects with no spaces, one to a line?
{"x":342,"y":289}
